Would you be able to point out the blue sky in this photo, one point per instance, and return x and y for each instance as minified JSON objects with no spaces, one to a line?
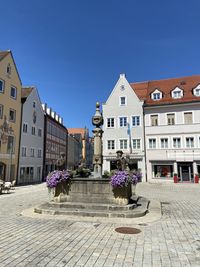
{"x":74,"y":50}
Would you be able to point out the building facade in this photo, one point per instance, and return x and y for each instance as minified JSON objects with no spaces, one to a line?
{"x":123,"y":127}
{"x":74,"y":151}
{"x":32,"y":138}
{"x":10,"y":116}
{"x":87,"y":145}
{"x":167,"y":114}
{"x":55,"y":139}
{"x":172,"y":128}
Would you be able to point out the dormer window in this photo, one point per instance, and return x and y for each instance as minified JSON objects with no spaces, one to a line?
{"x":177,"y":93}
{"x":196,"y":91}
{"x":156,"y":95}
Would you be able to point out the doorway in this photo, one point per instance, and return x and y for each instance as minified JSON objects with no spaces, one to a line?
{"x":185,"y":171}
{"x":2,"y":171}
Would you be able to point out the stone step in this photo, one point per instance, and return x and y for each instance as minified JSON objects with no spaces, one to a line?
{"x":89,"y":213}
{"x":97,"y":210}
{"x":90,"y":206}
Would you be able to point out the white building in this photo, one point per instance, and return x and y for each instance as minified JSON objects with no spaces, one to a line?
{"x":167,"y":113}
{"x":32,"y":137}
{"x":172,"y":128}
{"x":123,"y":127}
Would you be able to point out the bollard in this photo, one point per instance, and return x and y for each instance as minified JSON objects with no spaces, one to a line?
{"x":196,"y":179}
{"x":175,"y":178}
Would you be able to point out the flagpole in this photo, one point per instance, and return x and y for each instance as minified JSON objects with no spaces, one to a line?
{"x":129,"y":134}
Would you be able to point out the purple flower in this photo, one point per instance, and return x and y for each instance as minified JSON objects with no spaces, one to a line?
{"x":123,"y":178}
{"x":56,"y":177}
{"x":120,"y":179}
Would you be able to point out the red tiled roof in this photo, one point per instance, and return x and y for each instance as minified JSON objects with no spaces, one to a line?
{"x":26,"y":91}
{"x":81,"y":131}
{"x":187,"y":84}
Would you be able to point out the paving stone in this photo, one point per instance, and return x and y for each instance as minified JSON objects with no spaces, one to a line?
{"x":174,"y":240}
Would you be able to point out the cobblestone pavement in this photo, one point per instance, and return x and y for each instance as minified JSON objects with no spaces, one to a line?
{"x":174,"y":240}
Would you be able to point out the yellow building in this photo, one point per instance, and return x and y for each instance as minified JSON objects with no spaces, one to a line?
{"x":10,"y":116}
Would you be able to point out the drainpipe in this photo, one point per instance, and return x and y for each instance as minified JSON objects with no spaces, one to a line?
{"x":145,"y":156}
{"x":20,"y":136}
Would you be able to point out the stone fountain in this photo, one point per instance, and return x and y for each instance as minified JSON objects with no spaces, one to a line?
{"x":94,"y":196}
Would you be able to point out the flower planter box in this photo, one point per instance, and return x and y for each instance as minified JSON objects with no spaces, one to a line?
{"x":122,"y":195}
{"x":60,"y":193}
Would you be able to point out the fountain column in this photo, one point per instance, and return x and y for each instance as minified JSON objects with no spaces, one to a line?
{"x":97,"y":121}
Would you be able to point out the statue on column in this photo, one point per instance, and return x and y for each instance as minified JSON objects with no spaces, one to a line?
{"x":97,"y":121}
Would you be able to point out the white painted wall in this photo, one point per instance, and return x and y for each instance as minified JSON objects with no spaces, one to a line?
{"x":32,"y":141}
{"x":112,"y":108}
{"x":180,"y":129}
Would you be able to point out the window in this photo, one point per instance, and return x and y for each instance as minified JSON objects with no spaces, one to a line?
{"x":136,"y":143}
{"x":1,"y":111}
{"x":34,"y":104}
{"x":154,"y":120}
{"x":136,"y":120}
{"x":22,"y":172}
{"x":171,"y":119}
{"x":10,"y":144}
{"x":163,"y":170}
{"x":123,"y":121}
{"x":156,"y":96}
{"x":1,"y":86}
{"x":9,"y":69}
{"x":164,"y":142}
{"x":152,"y":143}
{"x":177,"y":142}
{"x":177,"y":93}
{"x":32,"y":152}
{"x":39,"y":172}
{"x":197,"y":92}
{"x":40,"y":132}
{"x":188,"y":117}
{"x":110,"y":122}
{"x":13,"y":92}
{"x":122,"y":100}
{"x":31,"y":172}
{"x":189,"y":142}
{"x":39,"y":153}
{"x":12,"y":115}
{"x":23,"y":151}
{"x":25,"y":128}
{"x":33,"y":130}
{"x":123,"y":144}
{"x":111,"y":144}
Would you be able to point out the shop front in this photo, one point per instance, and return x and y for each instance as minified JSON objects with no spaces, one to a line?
{"x":185,"y":171}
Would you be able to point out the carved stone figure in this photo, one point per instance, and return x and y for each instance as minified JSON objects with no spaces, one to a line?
{"x":61,"y":162}
{"x":122,"y":162}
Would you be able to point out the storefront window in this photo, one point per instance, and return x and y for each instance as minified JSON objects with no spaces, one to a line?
{"x":163,"y":171}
